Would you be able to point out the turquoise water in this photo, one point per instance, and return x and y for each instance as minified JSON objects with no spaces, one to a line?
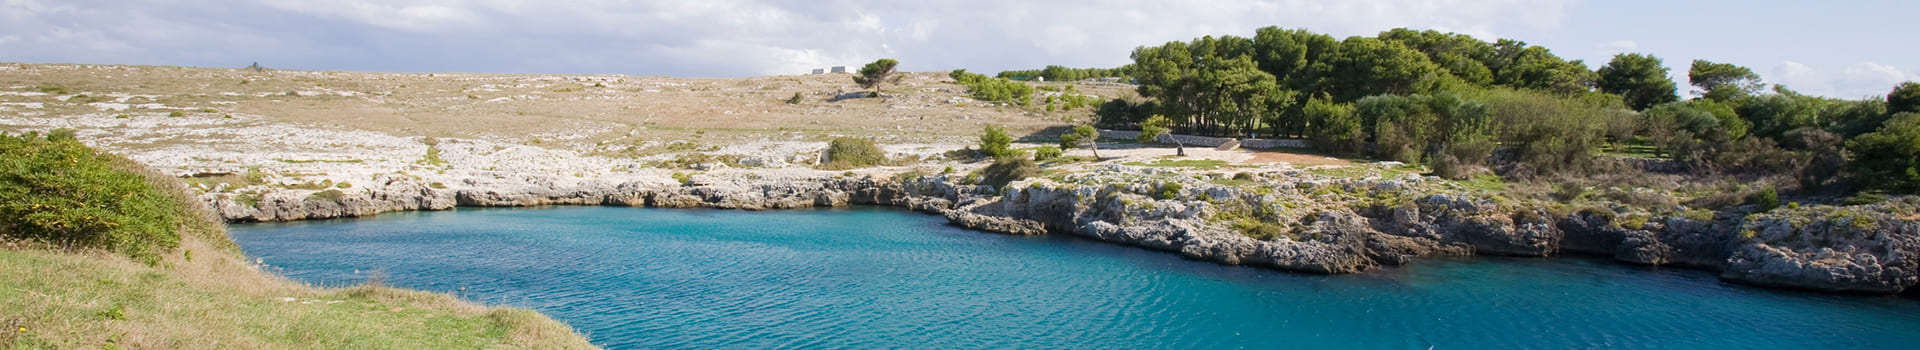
{"x":881,"y":278}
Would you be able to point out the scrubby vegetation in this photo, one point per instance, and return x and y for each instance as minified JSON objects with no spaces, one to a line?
{"x":996,"y":143}
{"x":1062,"y":73}
{"x":853,"y":153}
{"x":63,"y":205}
{"x":993,"y":89}
{"x":1007,"y":170}
{"x":56,"y":190}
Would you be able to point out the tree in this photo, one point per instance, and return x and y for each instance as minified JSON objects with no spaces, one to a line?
{"x":1156,"y":126}
{"x":1723,"y":81}
{"x":996,"y":143}
{"x":1904,"y":98}
{"x":875,"y":74}
{"x":1518,"y":65}
{"x":1237,"y":94}
{"x":1889,"y":158}
{"x":1082,"y":134}
{"x":1641,"y":79}
{"x":1335,"y":128}
{"x":1400,"y":125}
{"x":1366,"y":66}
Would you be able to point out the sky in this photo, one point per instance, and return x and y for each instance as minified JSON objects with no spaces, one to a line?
{"x":1838,"y":48}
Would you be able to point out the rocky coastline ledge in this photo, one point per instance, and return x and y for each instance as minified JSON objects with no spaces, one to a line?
{"x":1304,"y":222}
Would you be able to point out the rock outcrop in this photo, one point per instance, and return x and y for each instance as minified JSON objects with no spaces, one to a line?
{"x":1326,"y":225}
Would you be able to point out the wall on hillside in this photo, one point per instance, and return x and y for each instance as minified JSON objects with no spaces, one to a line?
{"x":1203,"y":141}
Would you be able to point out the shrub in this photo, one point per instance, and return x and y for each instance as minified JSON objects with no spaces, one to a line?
{"x":1007,"y":170}
{"x":992,"y":89}
{"x":684,"y":178}
{"x":1044,"y":153}
{"x":54,"y":189}
{"x":1568,"y":192}
{"x":995,"y":142}
{"x":1448,"y":167}
{"x":1260,"y":230}
{"x":1864,"y":198}
{"x":176,"y":114}
{"x":1170,"y":190}
{"x":796,"y":99}
{"x":853,"y":152}
{"x":328,"y":195}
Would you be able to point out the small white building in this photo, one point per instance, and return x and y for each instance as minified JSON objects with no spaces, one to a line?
{"x":839,"y":69}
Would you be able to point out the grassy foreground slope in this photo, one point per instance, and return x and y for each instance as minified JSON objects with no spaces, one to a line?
{"x":73,"y":276}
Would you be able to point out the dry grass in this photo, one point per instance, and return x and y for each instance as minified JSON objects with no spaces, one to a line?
{"x":565,"y":108}
{"x":216,"y":300}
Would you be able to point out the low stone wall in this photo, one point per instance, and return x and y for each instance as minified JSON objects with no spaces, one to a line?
{"x":1203,"y":141}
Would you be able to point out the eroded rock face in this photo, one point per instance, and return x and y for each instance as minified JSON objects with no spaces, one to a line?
{"x":1829,"y":249}
{"x":1867,"y":249}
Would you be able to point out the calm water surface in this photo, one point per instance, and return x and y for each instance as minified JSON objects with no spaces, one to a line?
{"x":882,"y":278}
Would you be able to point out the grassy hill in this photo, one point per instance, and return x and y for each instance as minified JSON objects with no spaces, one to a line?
{"x":98,"y":252}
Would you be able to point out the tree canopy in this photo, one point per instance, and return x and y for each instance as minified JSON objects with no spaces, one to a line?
{"x":878,"y":73}
{"x":1641,"y":79}
{"x":1723,"y":81}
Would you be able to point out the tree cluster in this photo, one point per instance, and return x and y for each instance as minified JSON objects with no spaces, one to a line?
{"x":1062,"y":73}
{"x":993,"y":89}
{"x":1457,"y":103}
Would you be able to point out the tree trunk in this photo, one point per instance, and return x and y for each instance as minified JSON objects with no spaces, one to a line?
{"x":1179,"y":149}
{"x":1095,"y":146}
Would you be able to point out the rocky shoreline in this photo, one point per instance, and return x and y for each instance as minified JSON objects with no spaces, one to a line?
{"x":1857,"y":249}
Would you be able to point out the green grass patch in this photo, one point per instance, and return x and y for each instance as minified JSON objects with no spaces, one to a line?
{"x":1362,"y":171}
{"x":96,"y":302}
{"x":1484,"y":183}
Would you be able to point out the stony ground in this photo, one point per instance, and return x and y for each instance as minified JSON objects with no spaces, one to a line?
{"x":230,"y":129}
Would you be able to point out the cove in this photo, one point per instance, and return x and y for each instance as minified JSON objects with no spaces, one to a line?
{"x":633,"y":278}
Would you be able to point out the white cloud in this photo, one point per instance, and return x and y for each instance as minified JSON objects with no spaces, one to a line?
{"x":706,"y":37}
{"x":1864,"y":79}
{"x":1619,"y":46}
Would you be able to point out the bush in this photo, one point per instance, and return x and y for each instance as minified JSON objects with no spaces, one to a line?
{"x":1864,"y":198}
{"x":54,"y":189}
{"x":1448,"y":167}
{"x":1008,"y":170}
{"x":992,"y":89}
{"x":1765,"y":200}
{"x":796,"y":99}
{"x":853,"y":152}
{"x":1889,"y":158}
{"x":328,"y":195}
{"x":1261,"y":230}
{"x":995,"y":142}
{"x":1044,"y":153}
{"x":1170,"y":190}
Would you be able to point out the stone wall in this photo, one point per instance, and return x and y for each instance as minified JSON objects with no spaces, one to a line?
{"x":1203,"y":141}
